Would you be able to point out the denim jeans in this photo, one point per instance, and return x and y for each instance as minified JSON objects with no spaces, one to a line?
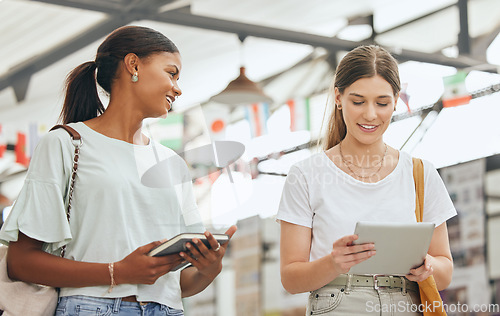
{"x":85,"y":306}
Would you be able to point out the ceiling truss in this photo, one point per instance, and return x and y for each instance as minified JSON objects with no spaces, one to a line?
{"x":122,"y":12}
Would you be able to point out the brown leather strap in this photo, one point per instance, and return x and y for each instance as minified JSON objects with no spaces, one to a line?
{"x":74,"y":134}
{"x":418,"y":177}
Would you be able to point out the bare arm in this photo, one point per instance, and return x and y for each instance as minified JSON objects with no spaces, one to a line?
{"x":299,"y":275}
{"x":438,"y":261}
{"x":206,"y":266}
{"x":27,"y":261}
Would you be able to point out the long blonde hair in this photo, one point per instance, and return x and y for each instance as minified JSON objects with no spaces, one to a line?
{"x":362,"y":62}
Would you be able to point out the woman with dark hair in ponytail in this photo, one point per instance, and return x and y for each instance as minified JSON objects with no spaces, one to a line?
{"x":358,"y":178}
{"x":115,"y":219}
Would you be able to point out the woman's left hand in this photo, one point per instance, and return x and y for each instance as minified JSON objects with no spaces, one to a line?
{"x":423,"y":272}
{"x":207,"y":261}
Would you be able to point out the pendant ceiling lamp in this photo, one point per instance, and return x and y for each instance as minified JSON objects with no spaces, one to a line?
{"x":242,"y":91}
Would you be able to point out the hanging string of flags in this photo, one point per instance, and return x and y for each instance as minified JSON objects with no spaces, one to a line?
{"x":22,"y":141}
{"x":3,"y":143}
{"x":455,"y":91}
{"x":257,"y":115}
{"x":300,"y":114}
{"x":404,"y":96}
{"x":171,"y":131}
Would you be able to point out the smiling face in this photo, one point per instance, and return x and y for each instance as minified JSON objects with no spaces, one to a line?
{"x":367,"y":107}
{"x":157,"y":86}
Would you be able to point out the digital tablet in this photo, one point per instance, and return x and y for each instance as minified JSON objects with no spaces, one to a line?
{"x":178,"y":243}
{"x":400,"y":246}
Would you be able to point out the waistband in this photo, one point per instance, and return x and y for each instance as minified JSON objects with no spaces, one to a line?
{"x":375,"y":281}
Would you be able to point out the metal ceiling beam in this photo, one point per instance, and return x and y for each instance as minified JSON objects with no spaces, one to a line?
{"x":108,"y":7}
{"x":416,"y":19}
{"x":245,"y":29}
{"x":144,"y":9}
{"x":122,"y":13}
{"x":463,"y":37}
{"x":480,"y":44}
{"x":20,"y":73}
{"x":331,"y":44}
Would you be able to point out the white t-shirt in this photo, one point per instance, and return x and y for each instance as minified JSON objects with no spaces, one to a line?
{"x":112,"y":213}
{"x":319,"y":195}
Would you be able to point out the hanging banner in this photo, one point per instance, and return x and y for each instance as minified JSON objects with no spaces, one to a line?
{"x":20,"y":150}
{"x":170,"y":131}
{"x":300,"y":114}
{"x":455,"y":93}
{"x":404,"y":96}
{"x":3,"y":143}
{"x":257,"y":115}
{"x":217,"y":117}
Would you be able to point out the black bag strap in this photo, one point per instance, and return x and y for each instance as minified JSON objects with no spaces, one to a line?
{"x":76,"y":139}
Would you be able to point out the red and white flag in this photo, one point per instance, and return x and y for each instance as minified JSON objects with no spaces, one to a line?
{"x":257,"y":115}
{"x":300,"y":114}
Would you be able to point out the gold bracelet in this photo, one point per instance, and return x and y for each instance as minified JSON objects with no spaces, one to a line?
{"x":111,"y":274}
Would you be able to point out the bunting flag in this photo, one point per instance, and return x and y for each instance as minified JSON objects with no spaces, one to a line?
{"x":216,"y":117}
{"x":455,"y":92}
{"x":300,"y":114}
{"x":405,"y":97}
{"x":170,"y":131}
{"x":20,"y":150}
{"x":3,"y":143}
{"x":257,"y":115}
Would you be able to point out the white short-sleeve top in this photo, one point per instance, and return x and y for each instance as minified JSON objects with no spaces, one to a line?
{"x":319,"y":195}
{"x":113,"y":212}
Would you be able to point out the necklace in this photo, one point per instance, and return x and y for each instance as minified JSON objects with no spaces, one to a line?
{"x":346,"y":163}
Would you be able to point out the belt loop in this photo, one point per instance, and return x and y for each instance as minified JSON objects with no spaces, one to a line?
{"x":116,"y":305}
{"x":403,"y":285}
{"x":375,"y":282}
{"x":391,"y":281}
{"x":348,"y":284}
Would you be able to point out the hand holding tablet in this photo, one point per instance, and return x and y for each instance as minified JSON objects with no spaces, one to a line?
{"x":400,"y":246}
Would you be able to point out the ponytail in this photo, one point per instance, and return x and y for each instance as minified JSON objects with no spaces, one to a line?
{"x":82,"y":101}
{"x":336,"y":129}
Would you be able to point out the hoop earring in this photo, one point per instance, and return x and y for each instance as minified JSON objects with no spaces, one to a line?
{"x":135,"y":77}
{"x":339,"y":107}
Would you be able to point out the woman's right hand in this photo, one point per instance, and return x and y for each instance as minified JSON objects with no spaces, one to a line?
{"x":345,"y":255}
{"x":139,"y":268}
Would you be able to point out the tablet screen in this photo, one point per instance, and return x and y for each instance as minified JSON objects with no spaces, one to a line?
{"x":400,"y":246}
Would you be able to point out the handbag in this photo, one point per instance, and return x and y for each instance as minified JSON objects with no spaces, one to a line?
{"x":18,"y":298}
{"x":431,"y":301}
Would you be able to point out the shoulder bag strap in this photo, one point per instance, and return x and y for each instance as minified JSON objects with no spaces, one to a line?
{"x":418,"y":177}
{"x":76,"y":139}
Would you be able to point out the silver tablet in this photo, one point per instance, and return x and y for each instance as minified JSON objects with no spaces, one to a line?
{"x":400,"y":246}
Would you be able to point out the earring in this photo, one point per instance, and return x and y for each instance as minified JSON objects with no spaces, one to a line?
{"x":135,"y":77}
{"x":339,"y":106}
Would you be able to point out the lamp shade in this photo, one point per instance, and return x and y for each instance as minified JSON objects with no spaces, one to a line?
{"x":241,"y":91}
